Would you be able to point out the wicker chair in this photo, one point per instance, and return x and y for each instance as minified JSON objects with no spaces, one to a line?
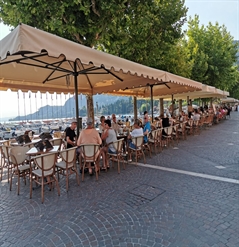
{"x":138,"y":149}
{"x":20,"y":165}
{"x":90,"y":154}
{"x":45,"y":172}
{"x":119,"y":155}
{"x":67,"y":164}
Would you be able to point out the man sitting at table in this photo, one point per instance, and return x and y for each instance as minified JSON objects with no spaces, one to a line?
{"x":109,"y":136}
{"x":137,"y":131}
{"x":89,"y":135}
{"x":71,"y":135}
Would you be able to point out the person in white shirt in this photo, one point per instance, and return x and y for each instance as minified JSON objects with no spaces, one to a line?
{"x":108,"y":136}
{"x":114,"y":124}
{"x":137,"y":131}
{"x":196,"y":115}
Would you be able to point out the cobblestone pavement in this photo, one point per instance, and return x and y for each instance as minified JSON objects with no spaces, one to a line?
{"x":141,"y":206}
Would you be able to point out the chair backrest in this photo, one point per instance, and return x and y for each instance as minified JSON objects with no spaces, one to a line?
{"x":18,"y":154}
{"x":56,"y":142}
{"x":159,"y":133}
{"x":7,"y":143}
{"x":138,"y":141}
{"x":90,"y":151}
{"x":168,"y":130}
{"x":158,"y":124}
{"x":46,"y":162}
{"x":154,"y":133}
{"x":57,"y":134}
{"x":68,"y":155}
{"x":175,"y":128}
{"x":196,"y":122}
{"x":183,"y":125}
{"x":6,"y":151}
{"x":190,"y":122}
{"x":118,"y":145}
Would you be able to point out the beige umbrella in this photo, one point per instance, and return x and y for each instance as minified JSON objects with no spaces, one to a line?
{"x":206,"y":92}
{"x":229,"y":100}
{"x":31,"y":59}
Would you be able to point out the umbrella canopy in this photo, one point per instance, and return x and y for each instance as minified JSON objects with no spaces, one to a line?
{"x":206,"y":92}
{"x":32,"y":59}
{"x":229,"y":100}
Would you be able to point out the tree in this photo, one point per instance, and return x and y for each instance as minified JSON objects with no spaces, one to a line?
{"x":175,"y":60}
{"x":137,"y":30}
{"x":212,"y":53}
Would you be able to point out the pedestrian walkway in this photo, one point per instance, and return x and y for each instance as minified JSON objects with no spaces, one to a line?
{"x":229,"y":180}
{"x":186,"y":196}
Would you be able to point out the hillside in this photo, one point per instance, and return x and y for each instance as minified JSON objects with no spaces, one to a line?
{"x":68,"y":109}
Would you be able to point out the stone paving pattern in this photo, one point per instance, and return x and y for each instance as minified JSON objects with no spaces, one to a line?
{"x":140,"y":206}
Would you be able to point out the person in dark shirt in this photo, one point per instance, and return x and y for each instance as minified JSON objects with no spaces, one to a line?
{"x":165,"y":122}
{"x":71,"y":135}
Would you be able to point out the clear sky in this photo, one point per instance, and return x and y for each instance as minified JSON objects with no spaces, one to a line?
{"x":222,"y":11}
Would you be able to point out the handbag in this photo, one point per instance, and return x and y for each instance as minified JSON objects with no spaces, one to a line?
{"x":43,"y":144}
{"x":47,"y":145}
{"x":39,"y":146}
{"x":45,"y":135}
{"x":20,"y":139}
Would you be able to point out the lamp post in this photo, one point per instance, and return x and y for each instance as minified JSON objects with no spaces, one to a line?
{"x":96,"y":108}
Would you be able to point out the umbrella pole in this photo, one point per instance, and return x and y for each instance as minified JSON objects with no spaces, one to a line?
{"x":135,"y":108}
{"x":152,"y":103}
{"x":76,"y":99}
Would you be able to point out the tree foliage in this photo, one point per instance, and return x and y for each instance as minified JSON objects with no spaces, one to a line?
{"x":212,"y":53}
{"x":141,"y":31}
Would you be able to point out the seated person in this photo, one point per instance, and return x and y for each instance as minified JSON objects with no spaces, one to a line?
{"x":71,"y":135}
{"x":115,"y":126}
{"x":147,"y":128}
{"x":108,"y":136}
{"x":137,"y":131}
{"x":196,"y":115}
{"x":102,"y":124}
{"x":145,"y":115}
{"x":165,"y":123}
{"x":89,"y":136}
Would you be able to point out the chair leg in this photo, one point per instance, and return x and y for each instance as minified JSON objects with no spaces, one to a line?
{"x":1,"y":171}
{"x":42,"y":189}
{"x":96,"y":170}
{"x":77,"y":176}
{"x":30,"y":186}
{"x":10,"y":182}
{"x":67,"y":179}
{"x":83,"y":172}
{"x":18,"y":183}
{"x":144,"y":156}
{"x":136,"y":157}
{"x":57,"y":185}
{"x":118,"y":166}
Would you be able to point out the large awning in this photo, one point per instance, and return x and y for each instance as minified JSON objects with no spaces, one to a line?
{"x":229,"y":100}
{"x":206,"y":92}
{"x":32,"y":59}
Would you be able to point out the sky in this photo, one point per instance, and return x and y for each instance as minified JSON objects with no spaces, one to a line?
{"x":222,"y":11}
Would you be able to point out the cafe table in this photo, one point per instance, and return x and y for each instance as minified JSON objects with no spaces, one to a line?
{"x":33,"y":151}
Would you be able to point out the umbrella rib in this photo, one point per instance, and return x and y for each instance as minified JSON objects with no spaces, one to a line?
{"x":20,"y":59}
{"x":53,"y":71}
{"x":51,"y":66}
{"x":112,"y":73}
